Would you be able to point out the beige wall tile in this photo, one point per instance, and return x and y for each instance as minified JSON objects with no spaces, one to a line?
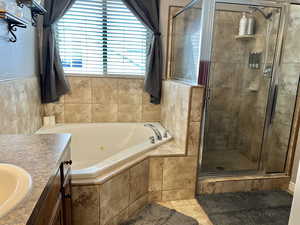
{"x":196,"y":104}
{"x":180,"y":194}
{"x":112,"y":100}
{"x":114,"y":197}
{"x":151,"y":113}
{"x":105,"y":91}
{"x":210,"y":187}
{"x":119,"y":219}
{"x":146,"y":99}
{"x":86,"y":205}
{"x":78,"y":113}
{"x":81,"y":90}
{"x":104,"y":113}
{"x":193,"y":138}
{"x":130,"y":92}
{"x":155,"y":174}
{"x":139,"y":178}
{"x":154,"y":196}
{"x":179,"y":172}
{"x":136,"y":206}
{"x":8,"y":109}
{"x":57,"y":110}
{"x":20,"y":111}
{"x":175,"y":110}
{"x":129,"y":113}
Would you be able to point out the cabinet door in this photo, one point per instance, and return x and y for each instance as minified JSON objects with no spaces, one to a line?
{"x":67,"y":202}
{"x":58,"y":216}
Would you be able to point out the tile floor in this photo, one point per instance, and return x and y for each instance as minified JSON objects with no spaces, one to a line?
{"x":189,"y":208}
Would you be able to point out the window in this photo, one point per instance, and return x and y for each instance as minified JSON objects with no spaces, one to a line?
{"x":102,"y":37}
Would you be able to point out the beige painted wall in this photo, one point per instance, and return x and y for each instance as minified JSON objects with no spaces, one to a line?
{"x":19,"y":87}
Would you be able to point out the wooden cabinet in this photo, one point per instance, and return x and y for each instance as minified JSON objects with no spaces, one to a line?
{"x":57,"y":218}
{"x":55,"y":204}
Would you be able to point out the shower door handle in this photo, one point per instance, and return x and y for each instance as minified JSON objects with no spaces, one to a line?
{"x":274,"y":103}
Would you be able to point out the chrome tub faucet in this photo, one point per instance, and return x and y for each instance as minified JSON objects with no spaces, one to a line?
{"x":155,"y":130}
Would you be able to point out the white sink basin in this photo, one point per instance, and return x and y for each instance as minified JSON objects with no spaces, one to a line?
{"x":15,"y":183}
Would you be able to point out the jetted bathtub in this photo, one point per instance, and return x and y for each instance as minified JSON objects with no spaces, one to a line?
{"x":97,"y":148}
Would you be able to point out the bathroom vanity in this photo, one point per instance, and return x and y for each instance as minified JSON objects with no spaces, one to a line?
{"x":47,"y":159}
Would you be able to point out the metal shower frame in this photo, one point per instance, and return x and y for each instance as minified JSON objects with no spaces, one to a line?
{"x":205,"y":55}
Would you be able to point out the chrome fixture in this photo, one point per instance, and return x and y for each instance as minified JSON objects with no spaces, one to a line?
{"x":152,"y":140}
{"x":166,"y":133}
{"x":155,"y":130}
{"x":267,"y":16}
{"x":268,"y":71}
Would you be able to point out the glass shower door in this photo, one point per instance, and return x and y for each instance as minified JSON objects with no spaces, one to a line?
{"x":239,"y":87}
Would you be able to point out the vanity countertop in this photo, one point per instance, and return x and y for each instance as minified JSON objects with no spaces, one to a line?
{"x":39,"y":155}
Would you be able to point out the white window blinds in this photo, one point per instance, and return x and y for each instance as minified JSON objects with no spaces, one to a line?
{"x":102,"y":37}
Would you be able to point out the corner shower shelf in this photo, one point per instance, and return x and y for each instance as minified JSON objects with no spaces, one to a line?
{"x":13,"y":22}
{"x":244,"y":37}
{"x":36,"y":9}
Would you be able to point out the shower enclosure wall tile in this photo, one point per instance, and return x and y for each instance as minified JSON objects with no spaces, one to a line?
{"x":238,"y":184}
{"x":289,"y":77}
{"x":81,"y":91}
{"x":292,"y":47}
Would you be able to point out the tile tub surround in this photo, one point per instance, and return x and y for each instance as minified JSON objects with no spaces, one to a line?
{"x":20,"y":111}
{"x":166,"y":173}
{"x":43,"y":153}
{"x":114,"y":200}
{"x":182,"y":113}
{"x":99,"y":99}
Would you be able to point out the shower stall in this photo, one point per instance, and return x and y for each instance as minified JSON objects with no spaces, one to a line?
{"x":250,"y":100}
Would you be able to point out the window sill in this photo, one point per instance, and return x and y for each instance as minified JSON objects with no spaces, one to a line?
{"x":106,"y":76}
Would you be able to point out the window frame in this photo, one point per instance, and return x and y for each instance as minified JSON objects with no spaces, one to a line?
{"x":149,"y":35}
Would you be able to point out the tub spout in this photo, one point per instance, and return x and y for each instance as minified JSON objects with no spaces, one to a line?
{"x":155,"y":130}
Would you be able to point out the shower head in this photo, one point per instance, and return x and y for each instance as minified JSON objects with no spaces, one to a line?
{"x":267,"y":16}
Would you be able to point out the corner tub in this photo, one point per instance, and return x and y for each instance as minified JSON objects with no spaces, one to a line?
{"x":98,"y":148}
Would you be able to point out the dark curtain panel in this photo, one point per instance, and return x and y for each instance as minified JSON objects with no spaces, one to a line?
{"x":53,"y":82}
{"x":148,"y":12}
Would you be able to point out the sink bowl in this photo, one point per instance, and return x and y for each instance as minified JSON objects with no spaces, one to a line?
{"x":15,"y":184}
